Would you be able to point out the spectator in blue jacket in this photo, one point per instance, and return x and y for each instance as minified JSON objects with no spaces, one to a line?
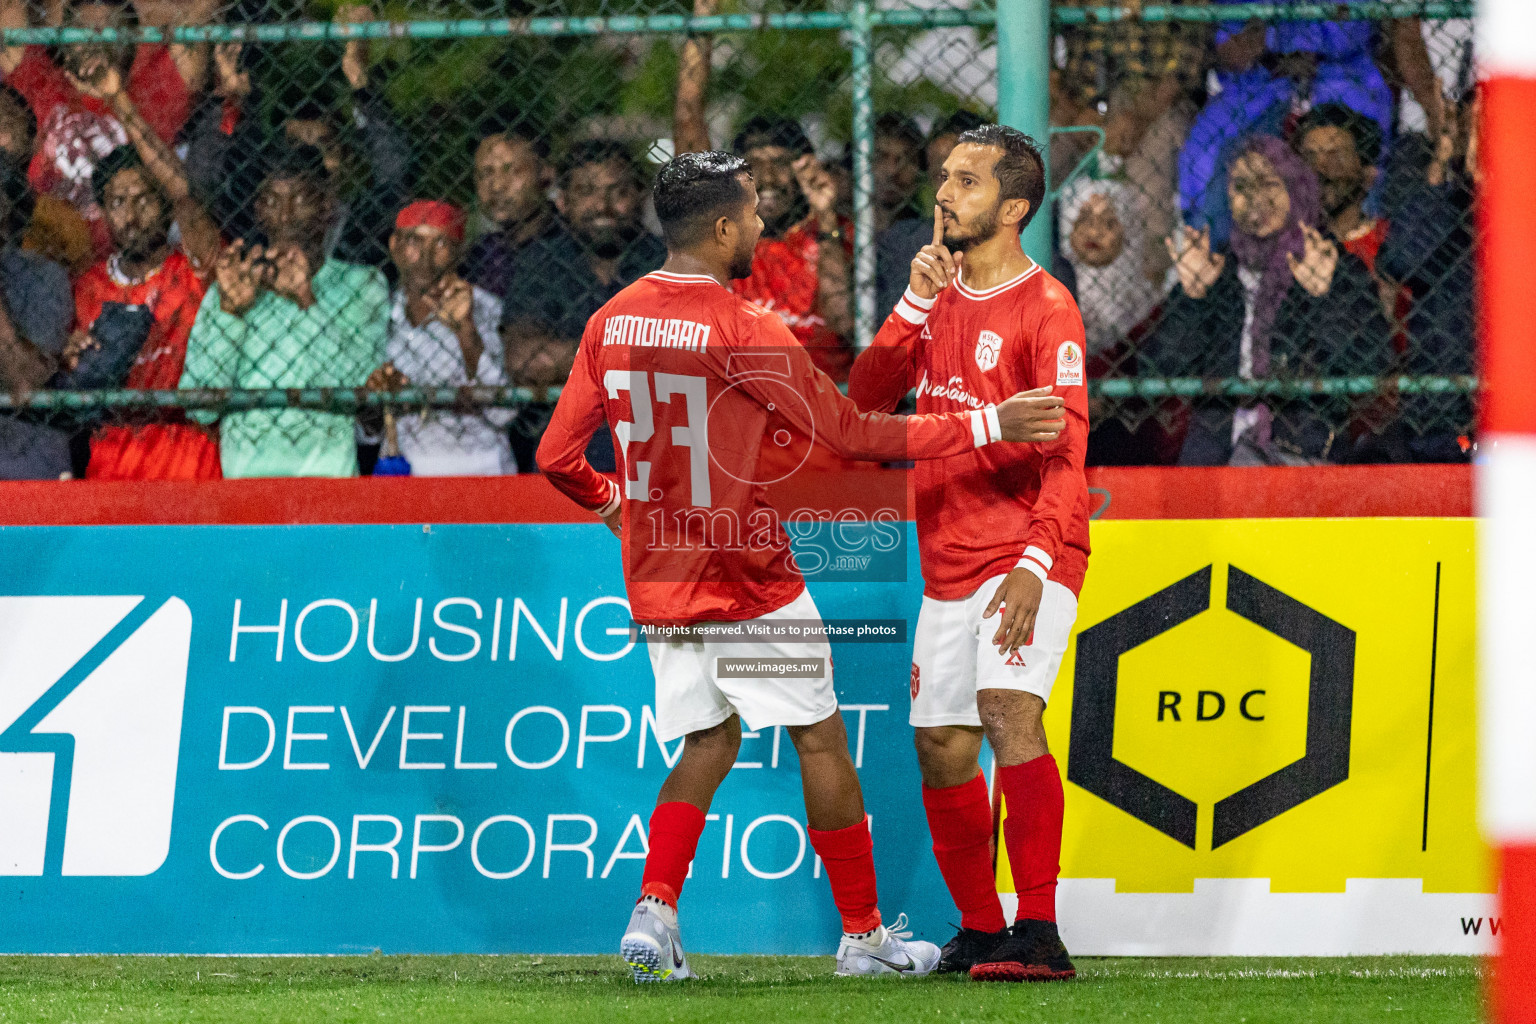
{"x":1271,"y":73}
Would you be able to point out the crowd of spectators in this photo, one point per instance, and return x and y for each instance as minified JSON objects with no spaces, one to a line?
{"x":1259,"y":209}
{"x":1283,"y":200}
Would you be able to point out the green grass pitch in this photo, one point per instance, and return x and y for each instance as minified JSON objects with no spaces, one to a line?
{"x":575,"y":990}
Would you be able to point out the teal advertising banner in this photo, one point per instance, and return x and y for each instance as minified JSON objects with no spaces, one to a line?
{"x":341,"y":739}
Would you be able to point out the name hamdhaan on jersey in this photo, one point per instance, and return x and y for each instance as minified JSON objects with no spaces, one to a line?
{"x":705,"y":394}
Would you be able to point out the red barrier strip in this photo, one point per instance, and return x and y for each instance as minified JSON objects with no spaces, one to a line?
{"x":1141,"y":493}
{"x":1283,"y":493}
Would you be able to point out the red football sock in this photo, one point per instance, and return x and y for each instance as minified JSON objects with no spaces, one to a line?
{"x":960,"y":820}
{"x":849,"y":856}
{"x":1032,"y":831}
{"x":674,"y":836}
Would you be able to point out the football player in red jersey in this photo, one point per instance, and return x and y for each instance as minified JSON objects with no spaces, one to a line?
{"x":1000,"y":530}
{"x":695,"y":381}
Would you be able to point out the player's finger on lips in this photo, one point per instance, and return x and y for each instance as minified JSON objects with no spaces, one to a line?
{"x":938,"y":224}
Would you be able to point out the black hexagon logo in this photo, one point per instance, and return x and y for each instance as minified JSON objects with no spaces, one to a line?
{"x":1330,"y":704}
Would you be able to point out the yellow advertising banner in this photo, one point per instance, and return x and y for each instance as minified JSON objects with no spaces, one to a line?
{"x":1267,"y":729}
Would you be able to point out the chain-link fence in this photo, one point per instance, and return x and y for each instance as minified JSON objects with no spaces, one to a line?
{"x":1279,"y":220}
{"x":294,"y":239}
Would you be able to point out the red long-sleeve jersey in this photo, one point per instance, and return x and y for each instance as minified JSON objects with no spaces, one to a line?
{"x":982,"y":513}
{"x":697,"y":383}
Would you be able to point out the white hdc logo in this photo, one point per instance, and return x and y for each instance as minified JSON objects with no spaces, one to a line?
{"x":124,"y":717}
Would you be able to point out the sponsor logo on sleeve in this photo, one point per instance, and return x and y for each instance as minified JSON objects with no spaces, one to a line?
{"x":1069,"y":364}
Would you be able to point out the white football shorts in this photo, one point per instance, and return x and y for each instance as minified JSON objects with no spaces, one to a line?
{"x":953,"y":655}
{"x":691,"y":694}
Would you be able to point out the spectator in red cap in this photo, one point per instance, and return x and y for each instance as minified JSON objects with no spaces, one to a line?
{"x":443,"y":333}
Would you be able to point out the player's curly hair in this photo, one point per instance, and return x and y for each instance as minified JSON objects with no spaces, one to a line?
{"x":693,"y":190}
{"x":1020,"y":170}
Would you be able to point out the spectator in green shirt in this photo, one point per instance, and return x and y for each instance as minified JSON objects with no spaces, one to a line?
{"x":281,"y":315}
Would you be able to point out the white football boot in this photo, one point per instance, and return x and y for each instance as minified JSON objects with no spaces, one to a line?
{"x":652,"y":945}
{"x":885,"y":951}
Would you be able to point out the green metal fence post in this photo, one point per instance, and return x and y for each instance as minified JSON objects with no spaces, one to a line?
{"x":1023,"y":92}
{"x":862,"y":41}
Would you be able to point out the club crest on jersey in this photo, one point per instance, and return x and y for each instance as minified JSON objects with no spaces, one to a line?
{"x":988,"y":346}
{"x":1069,"y":364}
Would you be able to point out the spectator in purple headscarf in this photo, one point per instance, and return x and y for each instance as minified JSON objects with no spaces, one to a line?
{"x":1272,"y":73}
{"x":1281,"y":302}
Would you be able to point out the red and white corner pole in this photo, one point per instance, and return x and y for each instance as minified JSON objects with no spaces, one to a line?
{"x":1506,"y":487}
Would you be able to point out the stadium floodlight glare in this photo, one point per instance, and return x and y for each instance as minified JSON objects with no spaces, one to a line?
{"x":1506,"y":486}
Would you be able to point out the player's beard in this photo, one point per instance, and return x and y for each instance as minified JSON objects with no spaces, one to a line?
{"x":741,"y":262}
{"x":966,"y":237}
